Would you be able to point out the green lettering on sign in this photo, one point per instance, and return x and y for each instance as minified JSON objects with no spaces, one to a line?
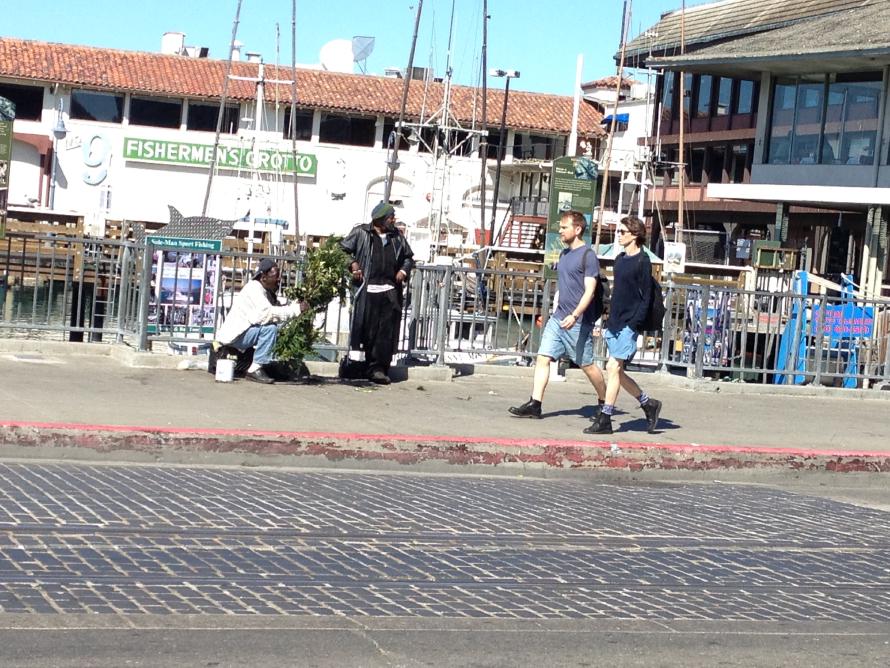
{"x":183,"y":244}
{"x":228,"y":157}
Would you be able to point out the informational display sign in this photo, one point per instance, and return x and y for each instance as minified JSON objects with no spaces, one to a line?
{"x":674,"y":257}
{"x":843,"y":322}
{"x":183,"y":292}
{"x":717,"y":335}
{"x":7,"y":116}
{"x":574,"y":184}
{"x":241,"y":158}
{"x":185,"y":244}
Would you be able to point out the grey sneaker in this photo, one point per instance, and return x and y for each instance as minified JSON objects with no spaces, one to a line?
{"x":530,"y":409}
{"x":651,"y":408}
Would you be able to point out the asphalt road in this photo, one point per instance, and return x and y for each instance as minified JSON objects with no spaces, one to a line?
{"x":106,"y":565}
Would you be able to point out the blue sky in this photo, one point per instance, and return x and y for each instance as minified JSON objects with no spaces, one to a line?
{"x":540,"y":38}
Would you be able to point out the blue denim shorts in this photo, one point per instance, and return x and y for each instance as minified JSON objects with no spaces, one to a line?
{"x":575,"y":343}
{"x":623,"y":345}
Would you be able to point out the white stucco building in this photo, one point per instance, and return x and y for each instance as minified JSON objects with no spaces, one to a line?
{"x":140,"y":127}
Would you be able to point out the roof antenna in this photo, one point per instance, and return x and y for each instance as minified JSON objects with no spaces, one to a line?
{"x":362,"y":47}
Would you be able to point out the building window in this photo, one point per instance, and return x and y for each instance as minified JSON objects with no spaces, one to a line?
{"x":703,"y":96}
{"x":851,"y":120}
{"x":460,"y":142}
{"x":202,"y":118}
{"x":741,"y":154}
{"x":667,"y":95}
{"x":696,"y":165}
{"x":716,"y":158}
{"x":829,"y":120}
{"x":28,"y":100}
{"x":807,"y":122}
{"x":687,"y":81}
{"x":303,"y":120}
{"x":724,"y":96}
{"x":91,"y":105}
{"x":155,"y":113}
{"x":350,"y":130}
{"x":745,"y":102}
{"x":494,"y":143}
{"x":537,"y":147}
{"x":782,"y":122}
{"x":389,"y":125}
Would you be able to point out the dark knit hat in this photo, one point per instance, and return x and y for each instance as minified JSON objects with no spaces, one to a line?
{"x":382,"y":210}
{"x":266,"y":264}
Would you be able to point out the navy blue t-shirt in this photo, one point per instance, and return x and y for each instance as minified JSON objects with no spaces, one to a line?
{"x":631,"y":292}
{"x":570,"y":278}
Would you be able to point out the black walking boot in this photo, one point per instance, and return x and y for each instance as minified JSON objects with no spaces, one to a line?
{"x":651,"y":408}
{"x":602,"y":425}
{"x":530,"y":409}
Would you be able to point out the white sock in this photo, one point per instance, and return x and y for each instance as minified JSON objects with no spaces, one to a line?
{"x":253,"y":367}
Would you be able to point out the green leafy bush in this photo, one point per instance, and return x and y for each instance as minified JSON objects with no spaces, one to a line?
{"x":324,"y":277}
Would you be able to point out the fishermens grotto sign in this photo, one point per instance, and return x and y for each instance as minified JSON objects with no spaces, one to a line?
{"x":230,"y":157}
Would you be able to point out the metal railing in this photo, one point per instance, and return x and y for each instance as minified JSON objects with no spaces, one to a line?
{"x":80,"y":289}
{"x":68,"y":288}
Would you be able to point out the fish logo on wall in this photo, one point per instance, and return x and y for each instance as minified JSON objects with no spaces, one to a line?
{"x":96,"y":158}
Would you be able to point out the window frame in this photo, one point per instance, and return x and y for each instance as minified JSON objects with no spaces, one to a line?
{"x":119,"y":98}
{"x":25,"y":109}
{"x":227,"y":126}
{"x":370,"y":123}
{"x":173,"y":102}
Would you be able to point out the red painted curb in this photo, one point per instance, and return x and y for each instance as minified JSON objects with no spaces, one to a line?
{"x":408,"y":448}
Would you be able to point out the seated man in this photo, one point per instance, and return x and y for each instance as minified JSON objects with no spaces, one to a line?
{"x":255,"y":317}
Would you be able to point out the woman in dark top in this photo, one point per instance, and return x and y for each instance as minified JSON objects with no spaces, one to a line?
{"x":631,"y":294}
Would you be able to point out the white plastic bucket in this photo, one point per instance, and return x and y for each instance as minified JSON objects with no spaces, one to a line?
{"x":225,"y":371}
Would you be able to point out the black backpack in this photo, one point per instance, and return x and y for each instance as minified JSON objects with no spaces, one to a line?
{"x":603,"y":292}
{"x":654,"y":321}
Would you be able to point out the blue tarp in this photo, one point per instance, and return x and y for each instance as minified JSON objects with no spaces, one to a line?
{"x":621,"y":118}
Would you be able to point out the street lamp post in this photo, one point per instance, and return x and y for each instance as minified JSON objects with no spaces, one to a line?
{"x":508,"y":74}
{"x":59,"y":132}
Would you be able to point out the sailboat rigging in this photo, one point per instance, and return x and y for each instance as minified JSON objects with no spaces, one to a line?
{"x":392,"y":162}
{"x":260,"y":211}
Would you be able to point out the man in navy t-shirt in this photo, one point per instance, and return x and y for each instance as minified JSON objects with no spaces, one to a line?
{"x":569,"y":330}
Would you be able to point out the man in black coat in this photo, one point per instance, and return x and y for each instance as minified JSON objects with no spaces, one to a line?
{"x":381,"y":263}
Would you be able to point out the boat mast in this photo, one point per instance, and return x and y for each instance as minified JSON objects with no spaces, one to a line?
{"x":483,"y":145}
{"x":608,"y":156}
{"x":681,"y":203}
{"x":293,"y":114}
{"x":261,"y":82}
{"x":222,"y":109}
{"x":445,"y":136}
{"x":395,"y":138}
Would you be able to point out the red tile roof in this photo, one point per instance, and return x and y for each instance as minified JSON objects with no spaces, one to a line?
{"x":609,"y":82}
{"x":184,"y":76}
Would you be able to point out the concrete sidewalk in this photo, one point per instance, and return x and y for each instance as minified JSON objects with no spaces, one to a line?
{"x":91,"y":401}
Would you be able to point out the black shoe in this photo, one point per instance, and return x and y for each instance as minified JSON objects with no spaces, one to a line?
{"x":596,"y":409}
{"x":377,"y":376}
{"x":260,"y":376}
{"x":602,"y":425}
{"x":652,"y":408}
{"x":530,"y":409}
